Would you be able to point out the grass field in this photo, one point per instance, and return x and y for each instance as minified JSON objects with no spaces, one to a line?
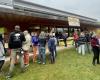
{"x":69,"y":66}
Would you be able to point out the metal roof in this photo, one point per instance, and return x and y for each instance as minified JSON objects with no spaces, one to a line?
{"x":27,"y":8}
{"x":41,"y":8}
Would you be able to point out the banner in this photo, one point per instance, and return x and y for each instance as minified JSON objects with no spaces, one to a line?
{"x":73,"y":21}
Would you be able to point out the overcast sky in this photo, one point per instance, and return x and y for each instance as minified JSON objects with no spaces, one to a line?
{"x":89,"y":8}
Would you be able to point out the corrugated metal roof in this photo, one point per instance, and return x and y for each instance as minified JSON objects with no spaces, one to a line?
{"x":31,"y":9}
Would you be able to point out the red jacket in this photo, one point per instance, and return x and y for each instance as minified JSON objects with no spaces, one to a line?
{"x":94,"y":42}
{"x":75,"y":35}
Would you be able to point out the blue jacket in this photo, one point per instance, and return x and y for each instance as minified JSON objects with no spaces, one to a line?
{"x":35,"y":40}
{"x":51,"y":43}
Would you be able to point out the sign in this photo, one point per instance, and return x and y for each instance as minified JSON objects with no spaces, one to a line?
{"x":73,"y":21}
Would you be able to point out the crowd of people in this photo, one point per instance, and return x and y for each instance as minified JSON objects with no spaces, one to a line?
{"x":20,"y":43}
{"x":85,"y":42}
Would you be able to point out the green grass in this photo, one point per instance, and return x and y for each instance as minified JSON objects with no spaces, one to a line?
{"x":69,"y":66}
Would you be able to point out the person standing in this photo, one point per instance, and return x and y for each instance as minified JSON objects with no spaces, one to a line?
{"x":57,"y":37}
{"x":75,"y":36}
{"x":51,"y":47}
{"x":65,"y":36}
{"x":2,"y":53}
{"x":35,"y":41}
{"x":42,"y":48}
{"x":55,"y":49}
{"x":95,"y":49}
{"x":26,"y":47}
{"x":88,"y":38}
{"x":16,"y":39}
{"x":81,"y":43}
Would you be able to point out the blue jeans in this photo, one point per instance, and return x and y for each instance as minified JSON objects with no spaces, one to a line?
{"x":81,"y":49}
{"x":52,"y":56}
{"x":55,"y":50}
{"x":42,"y":55}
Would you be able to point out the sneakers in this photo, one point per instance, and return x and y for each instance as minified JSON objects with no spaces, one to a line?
{"x":26,"y":65}
{"x":43,"y":63}
{"x":39,"y":62}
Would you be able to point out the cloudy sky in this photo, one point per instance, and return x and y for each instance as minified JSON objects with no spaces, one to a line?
{"x":89,"y":8}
